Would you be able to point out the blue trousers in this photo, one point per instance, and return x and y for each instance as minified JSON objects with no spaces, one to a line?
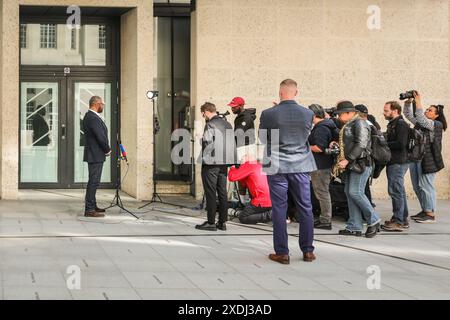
{"x":298,"y":184}
{"x":396,"y":189}
{"x":359,"y":206}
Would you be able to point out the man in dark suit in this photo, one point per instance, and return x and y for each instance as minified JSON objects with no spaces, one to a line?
{"x":95,"y":152}
{"x":285,"y":129}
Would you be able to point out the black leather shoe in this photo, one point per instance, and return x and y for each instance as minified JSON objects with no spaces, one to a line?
{"x":206,"y":226}
{"x":373,"y":230}
{"x":346,"y":232}
{"x":221,"y":226}
{"x":97,"y":209}
{"x":323,"y":226}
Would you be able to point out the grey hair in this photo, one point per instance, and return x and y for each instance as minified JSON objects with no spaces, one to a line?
{"x":94,"y":100}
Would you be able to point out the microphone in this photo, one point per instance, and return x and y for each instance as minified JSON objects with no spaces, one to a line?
{"x":123,"y":152}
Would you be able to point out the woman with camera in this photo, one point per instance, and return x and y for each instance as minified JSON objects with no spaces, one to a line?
{"x":432,"y":123}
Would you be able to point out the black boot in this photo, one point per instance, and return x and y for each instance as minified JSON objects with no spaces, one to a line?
{"x":373,"y":230}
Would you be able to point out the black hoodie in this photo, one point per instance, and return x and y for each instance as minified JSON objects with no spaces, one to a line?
{"x":321,"y":135}
{"x":246,"y":121}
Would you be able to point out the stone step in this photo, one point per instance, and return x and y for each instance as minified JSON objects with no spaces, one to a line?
{"x":173,"y":187}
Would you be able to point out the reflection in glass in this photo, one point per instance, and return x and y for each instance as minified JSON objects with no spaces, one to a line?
{"x":39,"y":132}
{"x":83,"y":92}
{"x":58,"y":44}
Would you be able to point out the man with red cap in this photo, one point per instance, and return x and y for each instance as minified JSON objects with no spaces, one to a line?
{"x":244,"y":121}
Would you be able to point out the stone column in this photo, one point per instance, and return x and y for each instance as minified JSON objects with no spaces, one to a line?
{"x":136,"y":109}
{"x":9,"y":99}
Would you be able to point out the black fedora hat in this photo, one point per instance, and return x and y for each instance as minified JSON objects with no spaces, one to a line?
{"x":345,"y":106}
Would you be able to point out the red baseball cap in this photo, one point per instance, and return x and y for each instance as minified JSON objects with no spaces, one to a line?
{"x":237,"y":102}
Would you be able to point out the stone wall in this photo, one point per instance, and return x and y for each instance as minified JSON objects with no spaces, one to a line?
{"x":246,"y":47}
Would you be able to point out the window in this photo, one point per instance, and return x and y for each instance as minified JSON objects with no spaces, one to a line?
{"x":23,"y":36}
{"x":73,"y":39}
{"x":102,"y":37}
{"x":48,"y":36}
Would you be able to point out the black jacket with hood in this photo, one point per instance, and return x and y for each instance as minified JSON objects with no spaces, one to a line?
{"x":245,"y":121}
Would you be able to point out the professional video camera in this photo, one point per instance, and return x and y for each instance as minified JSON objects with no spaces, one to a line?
{"x":223,"y":115}
{"x":331,"y":111}
{"x":407,"y":95}
{"x":333,"y":151}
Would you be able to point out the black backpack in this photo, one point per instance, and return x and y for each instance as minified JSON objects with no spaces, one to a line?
{"x":380,"y":152}
{"x":416,"y":144}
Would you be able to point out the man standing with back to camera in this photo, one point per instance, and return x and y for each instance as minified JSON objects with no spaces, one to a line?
{"x":95,"y":152}
{"x":288,"y":165}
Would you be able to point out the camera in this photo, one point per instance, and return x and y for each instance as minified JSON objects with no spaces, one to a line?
{"x":333,"y":151}
{"x":407,"y":95}
{"x":331,"y":111}
{"x":223,"y":115}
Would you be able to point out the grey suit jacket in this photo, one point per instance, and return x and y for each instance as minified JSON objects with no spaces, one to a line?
{"x":290,"y":151}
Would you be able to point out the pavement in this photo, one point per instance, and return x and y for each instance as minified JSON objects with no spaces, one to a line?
{"x":48,"y":250}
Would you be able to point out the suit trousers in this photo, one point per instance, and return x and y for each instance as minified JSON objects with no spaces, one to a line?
{"x":95,"y":175}
{"x":298,"y":184}
{"x":214,"y":180}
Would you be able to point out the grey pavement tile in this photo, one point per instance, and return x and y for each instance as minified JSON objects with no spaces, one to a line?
{"x":152,"y":280}
{"x":375,"y":295}
{"x":222,"y":281}
{"x":245,"y":294}
{"x":193,"y":264}
{"x":33,"y":278}
{"x":308,"y":295}
{"x":144,"y":265}
{"x":28,"y":263}
{"x":105,"y":294}
{"x":286,"y":282}
{"x":172,"y":294}
{"x":35,"y":293}
{"x":98,"y":279}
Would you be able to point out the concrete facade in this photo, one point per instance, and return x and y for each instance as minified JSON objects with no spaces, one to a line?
{"x":246,"y":48}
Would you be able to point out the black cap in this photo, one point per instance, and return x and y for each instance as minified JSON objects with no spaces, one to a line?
{"x":345,"y":106}
{"x":362,"y":108}
{"x":318,"y":110}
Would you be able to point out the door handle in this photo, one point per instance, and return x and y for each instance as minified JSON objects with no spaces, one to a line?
{"x":63,"y":131}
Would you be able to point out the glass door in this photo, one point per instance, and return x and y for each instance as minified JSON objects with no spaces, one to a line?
{"x":40,"y":132}
{"x":51,"y":131}
{"x":172,"y":69}
{"x":82,"y":92}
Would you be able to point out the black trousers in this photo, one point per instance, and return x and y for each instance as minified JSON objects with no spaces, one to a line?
{"x":95,"y":175}
{"x":253,"y":215}
{"x":215,"y":185}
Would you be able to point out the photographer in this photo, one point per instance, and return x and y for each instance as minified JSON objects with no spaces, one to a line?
{"x":218,"y":153}
{"x":432,"y":123}
{"x":354,"y":164}
{"x":250,"y":175}
{"x":397,"y":139}
{"x":323,"y":132}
